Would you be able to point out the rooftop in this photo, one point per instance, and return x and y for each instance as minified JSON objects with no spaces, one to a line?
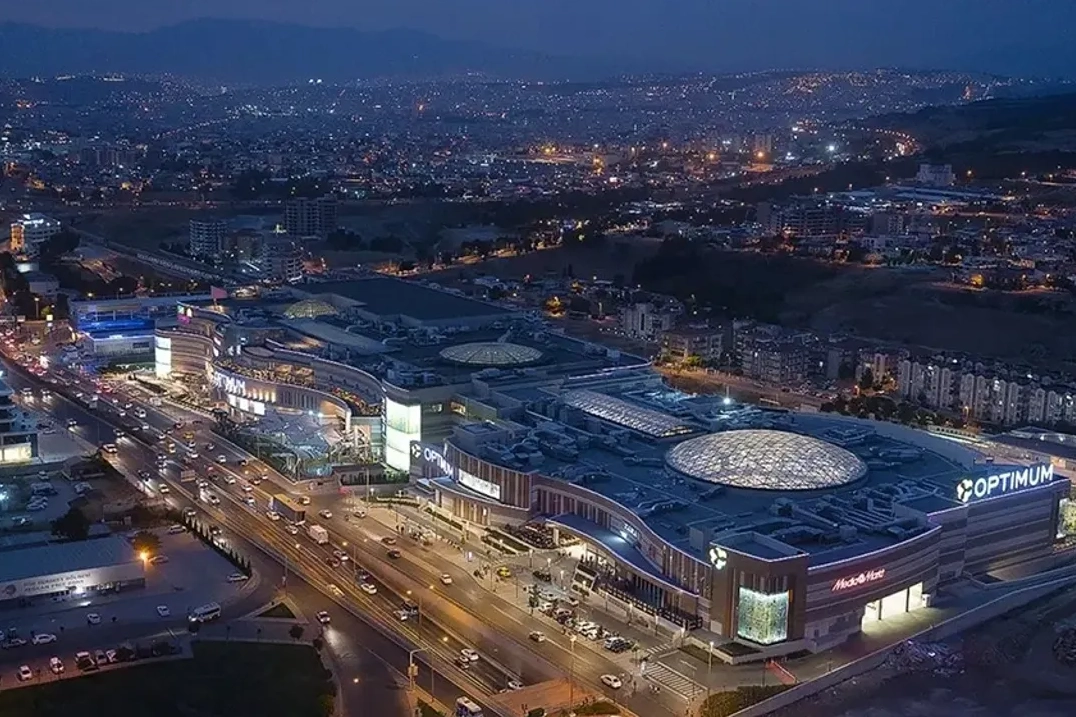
{"x":491,"y":353}
{"x":386,"y":298}
{"x":65,"y":557}
{"x":828,"y":487}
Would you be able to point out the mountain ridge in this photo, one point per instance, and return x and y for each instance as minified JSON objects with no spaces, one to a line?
{"x":260,"y":52}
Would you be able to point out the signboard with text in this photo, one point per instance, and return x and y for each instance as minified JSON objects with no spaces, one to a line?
{"x":1001,"y":483}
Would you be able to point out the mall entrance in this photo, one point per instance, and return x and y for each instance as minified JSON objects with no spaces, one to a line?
{"x":898,"y":603}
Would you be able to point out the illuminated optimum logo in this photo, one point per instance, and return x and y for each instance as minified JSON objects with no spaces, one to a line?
{"x":432,"y":456}
{"x":718,"y":557}
{"x":854,"y":581}
{"x":229,"y":384}
{"x":1001,"y":483}
{"x":416,"y":451}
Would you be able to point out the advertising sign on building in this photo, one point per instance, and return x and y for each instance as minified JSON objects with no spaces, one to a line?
{"x":996,"y":484}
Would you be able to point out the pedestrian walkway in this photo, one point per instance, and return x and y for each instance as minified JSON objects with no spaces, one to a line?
{"x":673,"y":680}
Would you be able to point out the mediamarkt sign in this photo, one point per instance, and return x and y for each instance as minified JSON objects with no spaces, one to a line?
{"x":854,"y":581}
{"x":971,"y":489}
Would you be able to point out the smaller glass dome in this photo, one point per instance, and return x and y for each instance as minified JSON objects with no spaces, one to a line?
{"x":492,"y":354}
{"x":310,"y":309}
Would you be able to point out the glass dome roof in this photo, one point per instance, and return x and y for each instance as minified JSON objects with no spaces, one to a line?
{"x":491,"y":354}
{"x":310,"y":309}
{"x":766,"y":460}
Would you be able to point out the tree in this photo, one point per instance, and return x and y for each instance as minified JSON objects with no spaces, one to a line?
{"x":866,"y":381}
{"x":146,"y":542}
{"x":72,"y":525}
{"x":296,"y":632}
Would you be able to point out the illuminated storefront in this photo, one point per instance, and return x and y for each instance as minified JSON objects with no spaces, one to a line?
{"x":403,"y":425}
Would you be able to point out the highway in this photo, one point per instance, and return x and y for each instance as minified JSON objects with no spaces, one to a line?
{"x":452,"y":617}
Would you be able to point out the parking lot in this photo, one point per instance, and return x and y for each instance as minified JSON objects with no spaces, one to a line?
{"x":187,"y":576}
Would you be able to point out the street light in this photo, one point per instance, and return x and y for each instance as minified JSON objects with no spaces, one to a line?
{"x":412,"y":668}
{"x":571,"y":674}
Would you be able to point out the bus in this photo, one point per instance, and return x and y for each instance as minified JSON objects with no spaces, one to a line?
{"x":466,"y":707}
{"x":205,"y":613}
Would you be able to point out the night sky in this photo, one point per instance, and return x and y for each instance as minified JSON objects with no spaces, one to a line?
{"x":1019,"y":36}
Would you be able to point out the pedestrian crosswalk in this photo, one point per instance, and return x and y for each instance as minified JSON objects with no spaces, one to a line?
{"x":667,"y":677}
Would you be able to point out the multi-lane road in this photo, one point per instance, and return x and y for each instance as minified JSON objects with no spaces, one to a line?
{"x":451,"y":617}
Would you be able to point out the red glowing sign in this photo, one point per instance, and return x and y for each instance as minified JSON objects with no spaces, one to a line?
{"x":854,"y":581}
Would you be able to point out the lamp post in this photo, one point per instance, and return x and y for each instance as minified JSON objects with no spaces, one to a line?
{"x":571,"y":675}
{"x":412,"y":668}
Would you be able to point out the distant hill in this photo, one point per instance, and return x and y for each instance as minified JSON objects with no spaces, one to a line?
{"x":1028,"y":124}
{"x":257,"y":52}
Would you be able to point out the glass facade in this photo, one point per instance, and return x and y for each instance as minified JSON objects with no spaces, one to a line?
{"x":163,"y":356}
{"x":762,"y":618}
{"x":403,"y":424}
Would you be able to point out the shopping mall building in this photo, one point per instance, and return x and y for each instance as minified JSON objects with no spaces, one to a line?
{"x":766,"y":532}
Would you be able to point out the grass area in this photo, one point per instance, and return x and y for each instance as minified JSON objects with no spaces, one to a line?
{"x":724,"y":704}
{"x":425,"y":710}
{"x":697,"y":652}
{"x":222,"y":680}
{"x":280,"y":610}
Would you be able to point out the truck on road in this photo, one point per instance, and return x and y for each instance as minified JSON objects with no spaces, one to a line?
{"x":289,"y":508}
{"x":318,"y":534}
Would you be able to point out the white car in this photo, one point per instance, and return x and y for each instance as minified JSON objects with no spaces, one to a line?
{"x":222,"y":459}
{"x":368,"y":588}
{"x":272,"y":515}
{"x":292,"y":529}
{"x":446,"y":579}
{"x":238,"y":578}
{"x":326,"y":514}
{"x":537,"y":636}
{"x":43,"y":638}
{"x":56,"y":665}
{"x":93,"y":618}
{"x":229,"y":479}
{"x":514,"y":685}
{"x":72,"y":423}
{"x":249,"y":500}
{"x":163,"y":611}
{"x":323,"y":618}
{"x":469,"y":654}
{"x":340,"y":555}
{"x":402,"y":615}
{"x":25,"y":673}
{"x":612,"y":681}
{"x":246,"y":488}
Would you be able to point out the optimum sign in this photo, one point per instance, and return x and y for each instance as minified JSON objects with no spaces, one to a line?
{"x":997,"y":484}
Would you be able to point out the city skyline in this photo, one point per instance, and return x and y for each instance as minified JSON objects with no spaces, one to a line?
{"x":988,"y":35}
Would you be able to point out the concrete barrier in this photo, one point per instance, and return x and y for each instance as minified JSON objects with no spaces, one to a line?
{"x":945,"y":629}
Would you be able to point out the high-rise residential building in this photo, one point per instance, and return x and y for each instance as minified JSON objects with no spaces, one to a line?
{"x":310,"y":217}
{"x":936,"y":175}
{"x":207,"y":236}
{"x":18,"y":433}
{"x":29,"y":231}
{"x":280,"y":257}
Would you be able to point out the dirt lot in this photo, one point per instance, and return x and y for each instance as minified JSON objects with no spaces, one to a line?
{"x":1005,"y":668}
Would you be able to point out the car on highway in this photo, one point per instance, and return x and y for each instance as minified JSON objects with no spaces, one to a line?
{"x":303,"y":500}
{"x":514,"y":685}
{"x":212,"y":499}
{"x":211,"y":446}
{"x":446,"y":579}
{"x":323,"y":618}
{"x":110,"y":448}
{"x":340,"y":555}
{"x":247,"y":488}
{"x":190,"y":512}
{"x":249,"y":500}
{"x":56,"y":665}
{"x":215,"y":531}
{"x":326,"y":514}
{"x":158,"y":560}
{"x":93,"y":618}
{"x":335,"y":590}
{"x":238,"y":577}
{"x":43,"y":638}
{"x":72,"y":423}
{"x":463,"y":663}
{"x":144,"y":475}
{"x":163,"y":611}
{"x":469,"y":654}
{"x":222,"y":459}
{"x":368,"y":588}
{"x":229,"y":479}
{"x":537,"y":636}
{"x":395,"y":554}
{"x":272,"y":515}
{"x":612,"y":681}
{"x":388,"y":540}
{"x":243,"y":462}
{"x":332,"y":562}
{"x":25,"y":673}
{"x":402,"y":615}
{"x":292,"y":528}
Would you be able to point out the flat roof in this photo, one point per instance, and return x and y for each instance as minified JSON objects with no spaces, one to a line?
{"x":56,"y":558}
{"x":904,"y":468}
{"x":387,"y":297}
